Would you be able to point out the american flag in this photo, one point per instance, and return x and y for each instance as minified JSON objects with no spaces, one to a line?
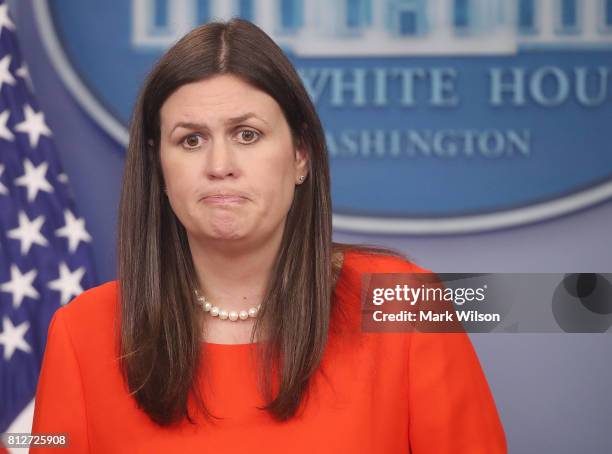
{"x":45,"y":249}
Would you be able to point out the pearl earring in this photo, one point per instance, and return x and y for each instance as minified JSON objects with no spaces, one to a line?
{"x":301,"y":178}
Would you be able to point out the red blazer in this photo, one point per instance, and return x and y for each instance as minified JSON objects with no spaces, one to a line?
{"x":379,"y":393}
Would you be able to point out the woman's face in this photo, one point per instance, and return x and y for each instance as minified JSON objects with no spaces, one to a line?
{"x":228,"y":160}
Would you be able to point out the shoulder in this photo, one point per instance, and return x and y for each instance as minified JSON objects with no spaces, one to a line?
{"x":360,"y":260}
{"x":93,"y":311}
{"x":370,"y":260}
{"x":93,"y":303}
{"x":81,"y":341}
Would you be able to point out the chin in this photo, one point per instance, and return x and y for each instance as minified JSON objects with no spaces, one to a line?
{"x":225,"y":231}
{"x":227,"y":236}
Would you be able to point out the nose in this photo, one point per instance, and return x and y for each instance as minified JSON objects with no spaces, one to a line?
{"x":220,"y":161}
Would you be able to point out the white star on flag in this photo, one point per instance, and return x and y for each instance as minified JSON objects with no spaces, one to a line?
{"x":5,"y":20}
{"x":5,"y":132}
{"x":28,"y":232}
{"x":68,"y":283}
{"x":34,"y":179}
{"x":20,"y":286}
{"x":73,"y":230}
{"x":24,"y":73}
{"x":6,"y":77}
{"x":3,"y":189}
{"x":12,"y":339}
{"x":34,"y":125}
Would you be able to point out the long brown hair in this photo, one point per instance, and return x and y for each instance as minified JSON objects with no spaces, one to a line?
{"x":160,"y":325}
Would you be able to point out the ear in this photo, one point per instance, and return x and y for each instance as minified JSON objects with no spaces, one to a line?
{"x":301,"y":164}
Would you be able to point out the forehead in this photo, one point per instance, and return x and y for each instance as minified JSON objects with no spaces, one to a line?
{"x":218,"y":97}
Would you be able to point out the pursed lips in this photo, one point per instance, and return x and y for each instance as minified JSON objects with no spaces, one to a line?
{"x":223,"y":199}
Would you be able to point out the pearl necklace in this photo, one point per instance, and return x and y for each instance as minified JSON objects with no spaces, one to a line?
{"x":215,"y":311}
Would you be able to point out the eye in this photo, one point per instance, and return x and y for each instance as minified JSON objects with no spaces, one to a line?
{"x":192,"y":141}
{"x":248,"y":136}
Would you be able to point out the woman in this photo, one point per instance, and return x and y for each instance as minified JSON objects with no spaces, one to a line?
{"x":235,"y":323}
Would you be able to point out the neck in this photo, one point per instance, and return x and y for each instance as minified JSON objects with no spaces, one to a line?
{"x":234,"y":277}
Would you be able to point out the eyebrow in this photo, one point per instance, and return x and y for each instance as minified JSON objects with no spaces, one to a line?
{"x":229,"y":121}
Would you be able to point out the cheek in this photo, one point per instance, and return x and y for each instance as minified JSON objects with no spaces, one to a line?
{"x":178,"y":181}
{"x":176,"y":173}
{"x":279,"y":190}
